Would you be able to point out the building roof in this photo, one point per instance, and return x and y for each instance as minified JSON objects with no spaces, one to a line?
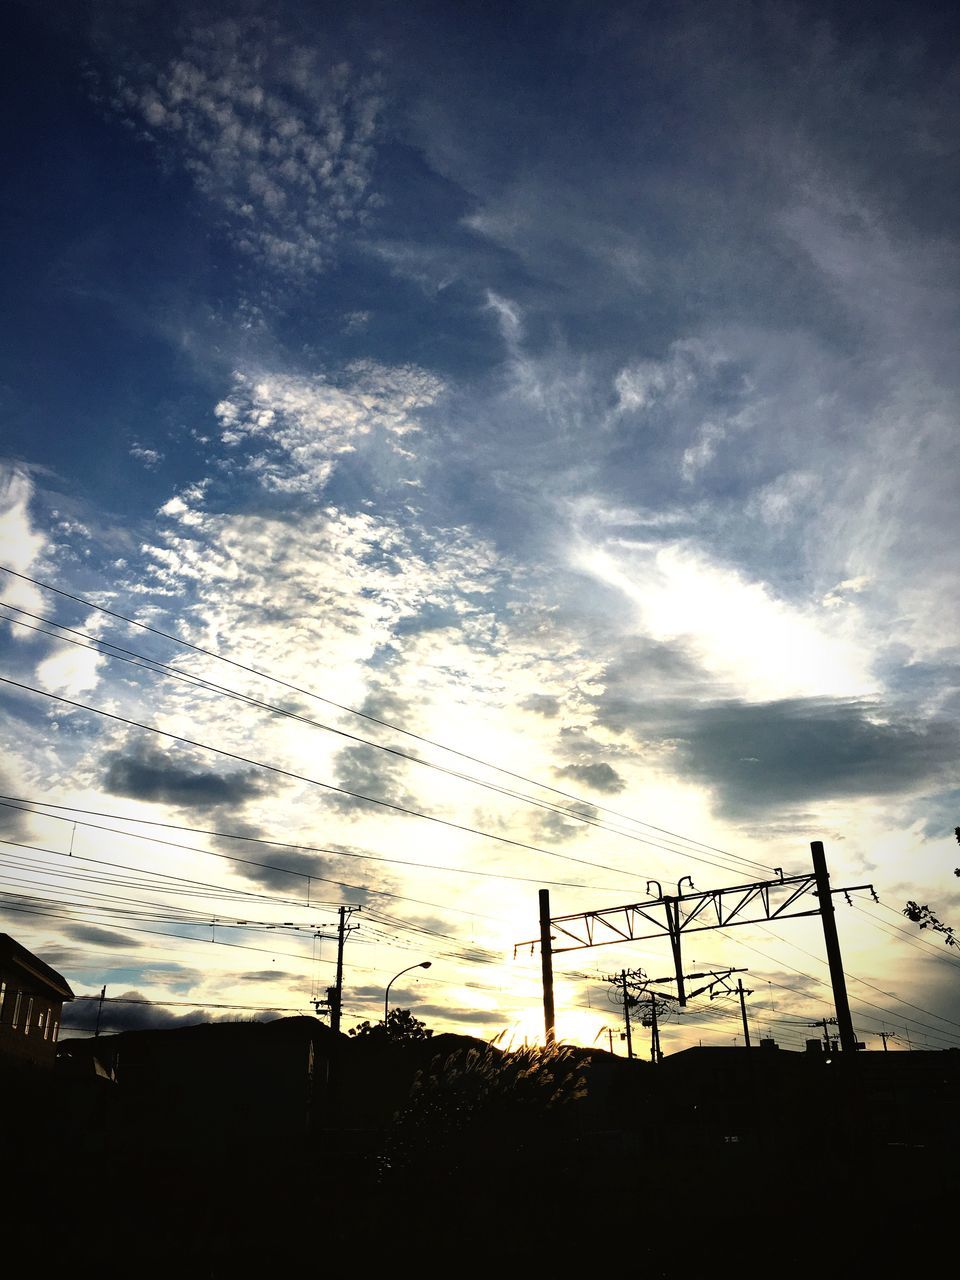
{"x":12,"y":953}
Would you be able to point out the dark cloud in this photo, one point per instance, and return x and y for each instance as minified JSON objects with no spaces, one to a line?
{"x":98,"y":937}
{"x":153,"y":776}
{"x":367,"y":771}
{"x":131,"y":1011}
{"x":482,"y":1017}
{"x":939,"y":813}
{"x":652,"y":663}
{"x":271,"y":975}
{"x":13,"y":822}
{"x":431,"y":617}
{"x":542,"y":704}
{"x":759,"y":757}
{"x":549,"y":825}
{"x":599,"y":777}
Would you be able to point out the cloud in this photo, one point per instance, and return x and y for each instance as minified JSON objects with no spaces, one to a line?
{"x":71,"y":671}
{"x":21,"y":544}
{"x":598,"y":776}
{"x":144,"y":774}
{"x":278,"y":139}
{"x":543,"y":705}
{"x":151,"y":458}
{"x":97,"y":937}
{"x":296,"y":429}
{"x":142,"y":1014}
{"x":762,"y":757}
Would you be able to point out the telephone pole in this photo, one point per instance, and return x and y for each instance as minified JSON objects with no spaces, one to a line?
{"x":334,"y":1000}
{"x":743,"y":1011}
{"x":336,"y":1005}
{"x":103,"y":995}
{"x":626,"y":1011}
{"x":546,"y":968}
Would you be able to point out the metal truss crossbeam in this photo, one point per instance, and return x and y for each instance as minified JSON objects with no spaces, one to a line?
{"x":756,"y":903}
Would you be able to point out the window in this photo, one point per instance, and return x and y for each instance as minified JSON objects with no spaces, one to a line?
{"x":3,"y":997}
{"x":42,"y":1023}
{"x":15,"y":1020}
{"x":56,"y":1028}
{"x":26,"y":1021}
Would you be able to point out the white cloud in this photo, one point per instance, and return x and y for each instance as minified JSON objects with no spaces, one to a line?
{"x":282,"y":143}
{"x":759,"y":646}
{"x":299,"y":426}
{"x":70,"y":671}
{"x":151,"y":458}
{"x":20,"y":543}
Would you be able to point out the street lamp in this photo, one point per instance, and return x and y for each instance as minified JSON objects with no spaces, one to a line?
{"x":424,"y":964}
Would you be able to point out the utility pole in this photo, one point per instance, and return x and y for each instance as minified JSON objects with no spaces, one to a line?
{"x":743,"y":1012}
{"x":885,"y":1036}
{"x":546,"y":968}
{"x":825,"y":1023}
{"x":626,"y":1011}
{"x":848,"y":1041}
{"x":655,"y":1055}
{"x":103,"y":996}
{"x":336,"y":995}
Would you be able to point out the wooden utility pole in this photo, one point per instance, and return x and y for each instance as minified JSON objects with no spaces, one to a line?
{"x":546,"y":967}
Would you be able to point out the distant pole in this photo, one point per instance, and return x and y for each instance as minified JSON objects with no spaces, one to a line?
{"x":546,"y":967}
{"x":610,"y":1038}
{"x":743,"y":1012}
{"x":103,"y":996}
{"x":655,"y":1055}
{"x":337,"y":1003}
{"x":626,"y":1012}
{"x":848,"y":1041}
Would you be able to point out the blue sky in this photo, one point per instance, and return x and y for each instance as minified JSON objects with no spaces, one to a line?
{"x":573,"y":389}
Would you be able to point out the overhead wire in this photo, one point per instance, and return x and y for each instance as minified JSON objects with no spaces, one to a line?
{"x":364,"y":715}
{"x":314,"y":782}
{"x":109,"y":649}
{"x":16,"y":802}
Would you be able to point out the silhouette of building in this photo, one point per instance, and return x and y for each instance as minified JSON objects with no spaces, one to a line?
{"x":231,"y":1083}
{"x":32,"y":996}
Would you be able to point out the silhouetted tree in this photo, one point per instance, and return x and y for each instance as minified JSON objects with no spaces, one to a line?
{"x":928,"y":919}
{"x":401,"y":1027}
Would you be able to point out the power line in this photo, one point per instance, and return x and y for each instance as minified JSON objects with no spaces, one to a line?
{"x":361,"y":714}
{"x":314,"y":782}
{"x":16,"y":802}
{"x":108,"y":649}
{"x":229,"y":857}
{"x":466,"y":951}
{"x":861,"y":1001}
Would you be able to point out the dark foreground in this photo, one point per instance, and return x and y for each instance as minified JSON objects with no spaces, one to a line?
{"x":681,"y":1171}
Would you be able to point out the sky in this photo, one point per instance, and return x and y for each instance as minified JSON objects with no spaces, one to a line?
{"x":477,"y":449}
